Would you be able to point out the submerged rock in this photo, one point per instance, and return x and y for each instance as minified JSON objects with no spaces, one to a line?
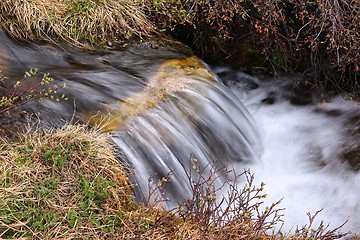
{"x":172,"y":76}
{"x":351,"y":152}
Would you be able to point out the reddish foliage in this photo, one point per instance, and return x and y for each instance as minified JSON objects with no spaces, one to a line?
{"x":318,"y":39}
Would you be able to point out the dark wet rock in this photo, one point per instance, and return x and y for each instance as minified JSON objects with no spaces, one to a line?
{"x":269,"y":100}
{"x":250,"y":85}
{"x":329,"y":112}
{"x":300,"y":95}
{"x":316,"y":156}
{"x":229,"y":76}
{"x":301,"y":100}
{"x":352,"y":157}
{"x":351,"y":152}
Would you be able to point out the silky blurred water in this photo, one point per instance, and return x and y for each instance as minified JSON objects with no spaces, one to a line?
{"x":205,"y":121}
{"x":305,"y":148}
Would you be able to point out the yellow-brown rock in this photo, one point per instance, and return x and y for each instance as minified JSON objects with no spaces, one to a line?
{"x":172,"y":76}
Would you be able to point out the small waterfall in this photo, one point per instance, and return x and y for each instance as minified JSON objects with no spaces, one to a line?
{"x":163,"y":105}
{"x":204,"y":121}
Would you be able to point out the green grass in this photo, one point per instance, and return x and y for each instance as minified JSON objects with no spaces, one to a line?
{"x":54,"y":184}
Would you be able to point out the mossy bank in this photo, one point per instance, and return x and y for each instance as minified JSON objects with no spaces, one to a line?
{"x":84,"y":23}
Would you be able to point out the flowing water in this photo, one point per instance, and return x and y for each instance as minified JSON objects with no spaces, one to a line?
{"x":165,"y":109}
{"x":311,"y":150}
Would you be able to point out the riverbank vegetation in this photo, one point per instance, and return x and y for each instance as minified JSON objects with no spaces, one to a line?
{"x":84,"y":23}
{"x":317,"y":40}
{"x":68,"y":184}
{"x":12,"y":97}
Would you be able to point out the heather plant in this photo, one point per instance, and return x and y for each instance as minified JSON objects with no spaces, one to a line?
{"x":322,"y":232}
{"x":238,"y":213}
{"x":317,"y":39}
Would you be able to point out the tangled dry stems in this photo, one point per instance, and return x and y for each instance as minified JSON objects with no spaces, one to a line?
{"x":237,"y":214}
{"x":317,"y":38}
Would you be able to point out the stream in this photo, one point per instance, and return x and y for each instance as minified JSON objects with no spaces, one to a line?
{"x":164,"y":108}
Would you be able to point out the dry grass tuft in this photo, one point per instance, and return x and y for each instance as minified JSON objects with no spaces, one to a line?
{"x":83,"y":23}
{"x":62,"y":184}
{"x":68,"y":184}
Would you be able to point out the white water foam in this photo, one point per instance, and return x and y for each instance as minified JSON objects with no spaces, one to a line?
{"x":301,"y":162}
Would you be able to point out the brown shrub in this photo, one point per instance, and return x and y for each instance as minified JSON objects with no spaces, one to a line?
{"x":318,"y":39}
